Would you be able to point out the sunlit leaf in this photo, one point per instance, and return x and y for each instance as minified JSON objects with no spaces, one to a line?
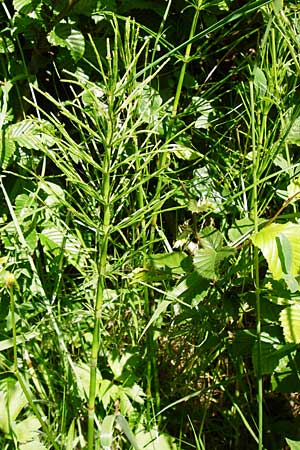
{"x":260,"y":82}
{"x":27,"y":429}
{"x":290,"y":322}
{"x":12,"y":401}
{"x":65,"y":35}
{"x":33,"y":445}
{"x":294,"y":445}
{"x":280,"y":245}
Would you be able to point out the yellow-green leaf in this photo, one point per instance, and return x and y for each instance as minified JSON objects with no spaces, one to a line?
{"x":280,"y":245}
{"x":290,"y":322}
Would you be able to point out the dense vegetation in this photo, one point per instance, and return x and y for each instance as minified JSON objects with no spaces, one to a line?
{"x":150,"y":234}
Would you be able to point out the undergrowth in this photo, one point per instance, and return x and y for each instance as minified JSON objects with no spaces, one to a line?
{"x":150,"y":226}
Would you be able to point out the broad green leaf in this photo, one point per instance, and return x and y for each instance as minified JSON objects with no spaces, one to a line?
{"x":24,"y":5}
{"x":280,"y":245}
{"x":293,"y":136}
{"x":12,"y":401}
{"x":31,"y":135}
{"x":6,"y":45}
{"x":82,"y":372}
{"x":278,"y":6}
{"x":208,"y":258}
{"x":161,"y":309}
{"x":56,"y":240}
{"x":293,"y":189}
{"x":151,"y":440}
{"x":70,"y":436}
{"x":27,"y":429}
{"x":270,"y":357}
{"x":260,"y":82}
{"x":290,"y":322}
{"x":190,"y":286}
{"x":294,"y":445}
{"x":65,"y":35}
{"x":183,"y":152}
{"x":8,"y":343}
{"x":205,"y":109}
{"x":177,"y":262}
{"x":107,"y":431}
{"x":108,"y":391}
{"x":33,"y":445}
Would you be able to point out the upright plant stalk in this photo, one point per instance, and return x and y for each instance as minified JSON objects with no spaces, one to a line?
{"x":256,"y":157}
{"x":103,"y":244}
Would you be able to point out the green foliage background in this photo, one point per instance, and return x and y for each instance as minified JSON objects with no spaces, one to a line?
{"x":149,"y":228}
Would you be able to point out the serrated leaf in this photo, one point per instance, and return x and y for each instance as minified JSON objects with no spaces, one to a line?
{"x":22,"y":4}
{"x":30,"y":134}
{"x":27,"y":429}
{"x":280,"y":245}
{"x":290,"y":322}
{"x":65,"y":35}
{"x":6,"y":45}
{"x":7,"y":147}
{"x":207,"y":259}
{"x":55,"y":240}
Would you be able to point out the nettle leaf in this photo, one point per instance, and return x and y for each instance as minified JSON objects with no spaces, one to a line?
{"x":280,"y":245}
{"x":208,"y":258}
{"x":65,"y":35}
{"x":290,"y":322}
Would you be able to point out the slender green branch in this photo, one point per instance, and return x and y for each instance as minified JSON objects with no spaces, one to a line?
{"x":255,"y":154}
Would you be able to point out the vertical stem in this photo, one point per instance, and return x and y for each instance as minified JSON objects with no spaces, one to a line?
{"x":101,"y":281}
{"x":255,"y":152}
{"x":98,"y":306}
